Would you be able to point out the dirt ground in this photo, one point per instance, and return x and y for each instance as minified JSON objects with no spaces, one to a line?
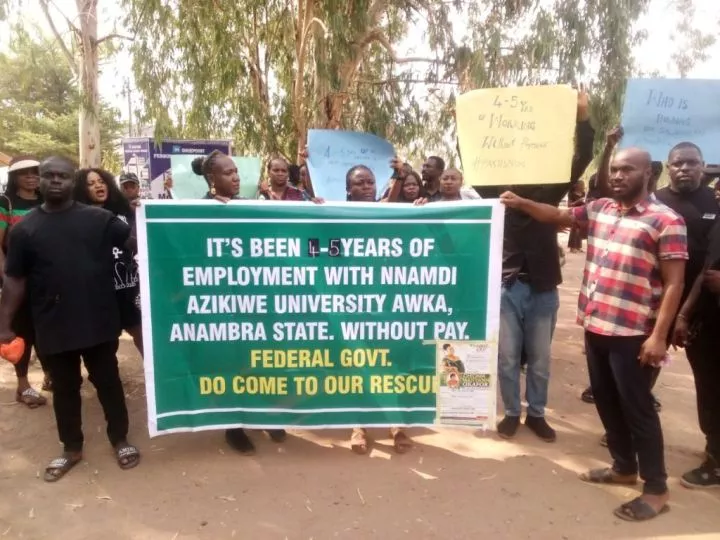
{"x":454,"y":484}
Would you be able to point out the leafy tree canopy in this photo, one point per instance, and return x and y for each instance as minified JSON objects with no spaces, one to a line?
{"x":263,"y":71}
{"x":39,"y":101}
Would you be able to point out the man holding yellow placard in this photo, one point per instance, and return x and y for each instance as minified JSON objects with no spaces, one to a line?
{"x":518,"y":137}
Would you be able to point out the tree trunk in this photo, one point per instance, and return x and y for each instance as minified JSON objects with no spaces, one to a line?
{"x":89,"y":124}
{"x":335,"y":102}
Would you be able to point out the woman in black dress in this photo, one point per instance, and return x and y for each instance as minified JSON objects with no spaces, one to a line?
{"x":98,"y":187}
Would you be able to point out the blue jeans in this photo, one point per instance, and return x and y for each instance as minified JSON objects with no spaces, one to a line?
{"x":527,"y":319}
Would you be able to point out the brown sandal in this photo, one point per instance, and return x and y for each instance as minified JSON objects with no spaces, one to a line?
{"x":401,"y":442}
{"x":59,"y":467}
{"x":358,"y":441}
{"x":127,"y":455}
{"x":31,"y":398}
{"x":639,"y":510}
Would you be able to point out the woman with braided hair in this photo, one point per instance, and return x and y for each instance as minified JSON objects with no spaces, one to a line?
{"x":221,"y":175}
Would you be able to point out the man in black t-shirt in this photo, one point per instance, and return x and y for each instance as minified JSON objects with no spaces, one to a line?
{"x":695,"y":202}
{"x":698,"y":330}
{"x":60,"y":256}
{"x":431,"y":172}
{"x":529,"y":298}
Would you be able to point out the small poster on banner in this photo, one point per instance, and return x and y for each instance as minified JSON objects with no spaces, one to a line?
{"x":467,"y":372}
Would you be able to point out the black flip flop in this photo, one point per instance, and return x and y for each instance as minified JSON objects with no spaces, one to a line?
{"x":604,"y":476}
{"x":277,"y":435}
{"x":238,"y":440}
{"x":638,"y":510}
{"x":587,"y":396}
{"x":59,"y":467}
{"x":127,"y":456}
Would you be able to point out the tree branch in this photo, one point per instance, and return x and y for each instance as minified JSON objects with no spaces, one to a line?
{"x":67,"y":20}
{"x":58,"y":37}
{"x":113,"y":36}
{"x":315,"y":21}
{"x":419,"y":81}
{"x":377,"y":35}
{"x":375,"y":10}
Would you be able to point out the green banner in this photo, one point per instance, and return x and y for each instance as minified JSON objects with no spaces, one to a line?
{"x":278,"y":314}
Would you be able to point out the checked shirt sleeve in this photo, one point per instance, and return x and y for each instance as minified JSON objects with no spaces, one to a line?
{"x":672,"y":242}
{"x":584,"y":213}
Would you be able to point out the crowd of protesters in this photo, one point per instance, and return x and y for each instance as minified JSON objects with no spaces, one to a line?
{"x":651,"y":281}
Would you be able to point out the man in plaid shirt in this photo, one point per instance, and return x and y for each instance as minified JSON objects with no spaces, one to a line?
{"x":632,"y":286}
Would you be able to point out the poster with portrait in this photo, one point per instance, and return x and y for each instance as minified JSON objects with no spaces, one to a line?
{"x":467,"y":380}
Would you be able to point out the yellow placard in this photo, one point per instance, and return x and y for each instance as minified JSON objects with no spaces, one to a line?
{"x":511,"y":136}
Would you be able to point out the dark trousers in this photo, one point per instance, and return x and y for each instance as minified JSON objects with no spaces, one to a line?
{"x":703,"y":353}
{"x":621,"y":386}
{"x":575,"y":239}
{"x":102,"y":366}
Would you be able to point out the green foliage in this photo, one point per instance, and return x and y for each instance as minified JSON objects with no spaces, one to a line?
{"x":693,"y":44}
{"x":230,"y":67}
{"x":39,"y":100}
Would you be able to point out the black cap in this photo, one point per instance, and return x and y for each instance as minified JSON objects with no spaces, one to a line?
{"x":129,"y":177}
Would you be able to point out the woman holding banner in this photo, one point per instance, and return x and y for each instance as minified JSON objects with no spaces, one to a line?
{"x":451,"y":187}
{"x":221,"y":175}
{"x":304,"y":180}
{"x":279,"y":188}
{"x":411,"y":189}
{"x":361,"y":187}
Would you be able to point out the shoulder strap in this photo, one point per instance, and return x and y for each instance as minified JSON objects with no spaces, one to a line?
{"x":10,"y":207}
{"x":4,"y":243}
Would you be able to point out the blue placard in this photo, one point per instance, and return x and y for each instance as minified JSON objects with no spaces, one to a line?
{"x":659,"y":113}
{"x":332,"y":153}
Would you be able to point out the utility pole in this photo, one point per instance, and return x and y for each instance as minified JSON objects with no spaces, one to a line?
{"x":128,"y":93}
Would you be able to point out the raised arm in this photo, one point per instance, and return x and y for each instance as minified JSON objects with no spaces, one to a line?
{"x":603,"y":174}
{"x":396,"y":181}
{"x":544,"y":213}
{"x":584,"y":137}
